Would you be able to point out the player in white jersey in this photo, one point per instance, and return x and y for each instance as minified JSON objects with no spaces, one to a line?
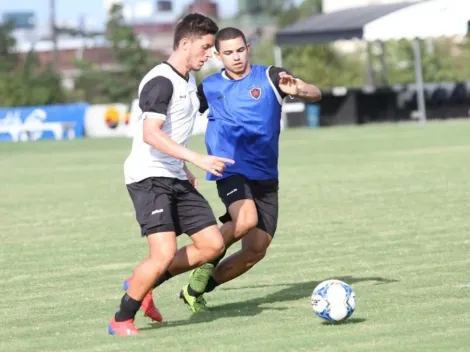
{"x":160,"y":185}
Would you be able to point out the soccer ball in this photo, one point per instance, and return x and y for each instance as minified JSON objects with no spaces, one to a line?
{"x":333,"y":300}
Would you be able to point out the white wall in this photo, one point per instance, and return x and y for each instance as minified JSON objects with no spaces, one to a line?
{"x":335,"y":5}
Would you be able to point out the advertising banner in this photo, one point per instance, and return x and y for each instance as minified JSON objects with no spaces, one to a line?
{"x":42,"y":122}
{"x":107,"y":120}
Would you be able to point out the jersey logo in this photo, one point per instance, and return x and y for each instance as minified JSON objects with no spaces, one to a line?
{"x":255,"y":93}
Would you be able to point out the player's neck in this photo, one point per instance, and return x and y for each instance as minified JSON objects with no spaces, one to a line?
{"x":237,"y":76}
{"x":178,"y":64}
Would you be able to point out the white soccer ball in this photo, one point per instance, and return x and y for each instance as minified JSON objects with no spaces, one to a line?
{"x":333,"y":300}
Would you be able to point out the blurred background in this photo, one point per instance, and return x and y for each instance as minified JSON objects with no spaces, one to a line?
{"x":375,"y":60}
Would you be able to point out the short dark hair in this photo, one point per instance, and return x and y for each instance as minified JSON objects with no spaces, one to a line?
{"x":228,"y":33}
{"x":193,"y":25}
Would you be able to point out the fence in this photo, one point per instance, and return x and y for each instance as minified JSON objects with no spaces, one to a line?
{"x":338,"y":107}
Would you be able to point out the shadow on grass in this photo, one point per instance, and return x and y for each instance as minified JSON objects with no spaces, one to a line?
{"x":346,"y":322}
{"x":252,"y":307}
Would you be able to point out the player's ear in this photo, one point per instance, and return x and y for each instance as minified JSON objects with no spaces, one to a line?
{"x":184,"y":43}
{"x":248,"y":46}
{"x":217,"y":55}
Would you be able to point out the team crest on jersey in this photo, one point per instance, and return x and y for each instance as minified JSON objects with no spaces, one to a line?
{"x":255,"y":93}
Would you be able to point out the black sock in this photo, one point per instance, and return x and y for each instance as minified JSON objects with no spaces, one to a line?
{"x":218,"y":259}
{"x":211,"y":284}
{"x":193,"y":293}
{"x":128,"y":308}
{"x":166,"y":276}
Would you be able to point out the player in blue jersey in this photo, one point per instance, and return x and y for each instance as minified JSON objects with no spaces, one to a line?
{"x":244,"y":103}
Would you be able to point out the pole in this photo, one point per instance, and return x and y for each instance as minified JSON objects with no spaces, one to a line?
{"x":383,"y":63}
{"x":370,"y":66}
{"x":419,"y":80}
{"x":277,"y":56}
{"x":53,"y":27}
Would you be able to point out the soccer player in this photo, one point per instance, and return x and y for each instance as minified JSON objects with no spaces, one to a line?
{"x":244,"y":103}
{"x":159,"y":183}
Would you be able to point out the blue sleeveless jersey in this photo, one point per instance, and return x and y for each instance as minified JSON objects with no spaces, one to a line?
{"x":244,"y":123}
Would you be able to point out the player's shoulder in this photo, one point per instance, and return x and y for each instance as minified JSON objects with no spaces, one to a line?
{"x":260,"y":67}
{"x":213,"y":78}
{"x":159,"y":74}
{"x":161,"y":69}
{"x":271,"y":71}
{"x":277,"y":69}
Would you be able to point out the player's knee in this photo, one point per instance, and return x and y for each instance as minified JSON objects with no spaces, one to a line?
{"x":162,"y":259}
{"x":245,"y":224}
{"x":210,"y":247}
{"x":216,"y":248}
{"x":254,"y":255}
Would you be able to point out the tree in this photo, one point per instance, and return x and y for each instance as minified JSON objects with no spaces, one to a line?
{"x":442,"y":60}
{"x":133,"y":61}
{"x":8,"y":57}
{"x":319,"y":63}
{"x":24,"y":82}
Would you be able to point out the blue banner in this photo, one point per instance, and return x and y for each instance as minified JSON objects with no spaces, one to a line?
{"x":33,"y":123}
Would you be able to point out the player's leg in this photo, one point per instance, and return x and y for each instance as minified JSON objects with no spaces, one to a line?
{"x":207,"y":245}
{"x":253,"y":249}
{"x":256,"y":243}
{"x":241,"y":217}
{"x":153,"y":203}
{"x":194,"y":217}
{"x":162,"y":248}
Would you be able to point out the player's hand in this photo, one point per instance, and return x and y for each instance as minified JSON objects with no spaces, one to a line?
{"x":288,"y":84}
{"x":213,"y":164}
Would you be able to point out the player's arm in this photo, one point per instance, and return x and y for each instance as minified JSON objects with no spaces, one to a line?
{"x":153,"y":101}
{"x":204,"y":105}
{"x":286,"y":84}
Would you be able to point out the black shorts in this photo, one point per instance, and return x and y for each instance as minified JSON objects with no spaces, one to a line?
{"x":165,"y":204}
{"x":263,"y":193}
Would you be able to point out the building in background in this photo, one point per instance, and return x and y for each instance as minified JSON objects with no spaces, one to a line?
{"x":336,"y":5}
{"x":153,"y":21}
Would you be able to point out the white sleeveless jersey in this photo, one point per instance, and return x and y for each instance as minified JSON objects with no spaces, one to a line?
{"x":166,"y":95}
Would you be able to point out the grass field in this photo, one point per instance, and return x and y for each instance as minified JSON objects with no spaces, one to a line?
{"x":384,"y":208}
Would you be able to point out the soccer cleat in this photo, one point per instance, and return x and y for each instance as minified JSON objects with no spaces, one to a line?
{"x":196,"y":304}
{"x":147,"y":306}
{"x":199,"y":277}
{"x":122,"y":328}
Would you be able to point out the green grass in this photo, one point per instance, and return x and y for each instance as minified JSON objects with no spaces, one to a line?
{"x":384,"y":208}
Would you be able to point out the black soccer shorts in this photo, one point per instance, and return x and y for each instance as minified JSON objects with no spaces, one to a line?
{"x":263,"y":193}
{"x":164,"y":204}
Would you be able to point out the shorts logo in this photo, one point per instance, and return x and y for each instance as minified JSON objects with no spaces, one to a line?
{"x":157,"y":211}
{"x":255,"y":93}
{"x":232,"y":191}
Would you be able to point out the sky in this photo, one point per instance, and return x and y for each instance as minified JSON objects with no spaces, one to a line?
{"x":92,"y":10}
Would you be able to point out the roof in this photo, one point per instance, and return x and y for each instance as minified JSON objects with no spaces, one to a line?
{"x":328,"y":27}
{"x":427,"y":18}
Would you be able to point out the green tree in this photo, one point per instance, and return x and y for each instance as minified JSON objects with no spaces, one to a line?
{"x":319,"y":63}
{"x":133,"y":60}
{"x":8,"y":57}
{"x":24,"y":82}
{"x":442,"y":60}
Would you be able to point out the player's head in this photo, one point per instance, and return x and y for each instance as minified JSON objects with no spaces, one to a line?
{"x":194,"y":39}
{"x":232,"y":49}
